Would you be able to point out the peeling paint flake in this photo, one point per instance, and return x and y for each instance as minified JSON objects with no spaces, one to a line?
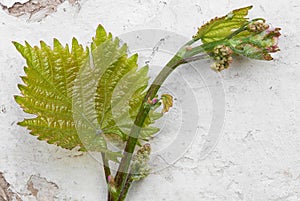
{"x":37,"y":8}
{"x":42,"y":189}
{"x":6,"y":194}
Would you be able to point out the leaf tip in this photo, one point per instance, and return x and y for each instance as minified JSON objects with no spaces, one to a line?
{"x":15,"y":43}
{"x":19,"y":99}
{"x":18,"y":46}
{"x":42,"y":43}
{"x":134,"y":57}
{"x":27,"y":44}
{"x":74,"y":41}
{"x":21,"y":123}
{"x":16,"y":97}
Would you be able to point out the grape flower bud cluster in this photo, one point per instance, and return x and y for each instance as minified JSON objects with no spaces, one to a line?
{"x":257,"y":26}
{"x":222,"y":56}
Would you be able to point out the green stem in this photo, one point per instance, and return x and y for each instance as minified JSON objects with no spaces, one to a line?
{"x":107,"y":172}
{"x":184,"y":55}
{"x":207,"y":47}
{"x":125,"y":190}
{"x":105,"y":167}
{"x":122,"y":173}
{"x":195,"y":58}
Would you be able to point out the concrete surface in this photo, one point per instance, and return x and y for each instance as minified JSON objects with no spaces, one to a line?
{"x":257,"y":155}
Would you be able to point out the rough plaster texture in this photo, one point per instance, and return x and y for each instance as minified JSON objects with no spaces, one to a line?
{"x":257,"y":155}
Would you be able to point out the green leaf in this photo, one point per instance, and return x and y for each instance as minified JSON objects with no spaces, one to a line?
{"x":81,"y":96}
{"x":219,"y":28}
{"x":167,"y":101}
{"x":46,"y":91}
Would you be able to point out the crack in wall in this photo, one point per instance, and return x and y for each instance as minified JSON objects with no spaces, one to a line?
{"x":33,"y":7}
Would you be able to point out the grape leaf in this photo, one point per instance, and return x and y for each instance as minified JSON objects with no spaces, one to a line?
{"x":81,"y":95}
{"x":218,"y":28}
{"x":167,"y":101}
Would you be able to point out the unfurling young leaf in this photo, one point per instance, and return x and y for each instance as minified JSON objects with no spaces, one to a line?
{"x":81,"y":97}
{"x":167,"y":101}
{"x":219,"y":28}
{"x":257,"y":46}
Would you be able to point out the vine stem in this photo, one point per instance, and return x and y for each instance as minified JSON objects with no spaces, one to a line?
{"x":107,"y":173}
{"x":185,"y":54}
{"x":122,"y":173}
{"x":125,"y":190}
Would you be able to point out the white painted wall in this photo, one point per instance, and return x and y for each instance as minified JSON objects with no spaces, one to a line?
{"x":257,"y":156}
